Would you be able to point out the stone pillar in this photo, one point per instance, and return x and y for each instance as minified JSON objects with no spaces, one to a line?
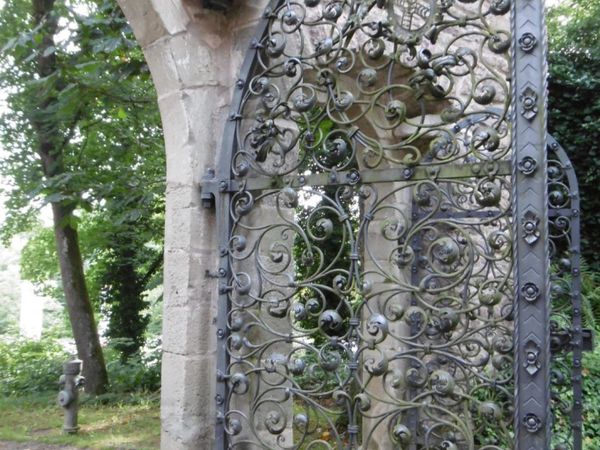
{"x":194,"y":56}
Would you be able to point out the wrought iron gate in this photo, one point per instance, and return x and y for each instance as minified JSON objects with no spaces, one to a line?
{"x":382,"y":211}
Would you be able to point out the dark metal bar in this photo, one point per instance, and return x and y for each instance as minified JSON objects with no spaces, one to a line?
{"x":346,"y":178}
{"x":532,"y":421}
{"x":223,"y":222}
{"x":581,"y":339}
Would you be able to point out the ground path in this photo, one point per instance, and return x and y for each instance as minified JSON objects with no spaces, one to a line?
{"x":4,"y":445}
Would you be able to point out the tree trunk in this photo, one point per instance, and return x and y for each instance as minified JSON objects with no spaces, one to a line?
{"x":80,"y":310}
{"x":127,"y":302}
{"x":49,"y":148}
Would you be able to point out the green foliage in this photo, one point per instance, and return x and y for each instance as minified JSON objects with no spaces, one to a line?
{"x":574,"y":104}
{"x":591,"y":395}
{"x":574,"y":120}
{"x":99,"y":106}
{"x":139,"y":373}
{"x":34,"y":367}
{"x":590,"y":290}
{"x":29,"y":367}
{"x":126,"y":422}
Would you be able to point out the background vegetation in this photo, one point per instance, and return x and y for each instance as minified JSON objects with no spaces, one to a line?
{"x":82,"y":157}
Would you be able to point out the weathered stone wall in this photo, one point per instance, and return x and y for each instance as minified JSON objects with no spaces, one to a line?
{"x":194,"y":56}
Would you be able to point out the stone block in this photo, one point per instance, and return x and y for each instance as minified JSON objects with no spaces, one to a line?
{"x":187,"y":402}
{"x":182,"y":277}
{"x":162,"y":67}
{"x":196,"y":65}
{"x":189,"y":329}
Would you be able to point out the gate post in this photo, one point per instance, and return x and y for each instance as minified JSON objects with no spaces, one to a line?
{"x":192,"y":54}
{"x":530,"y":223}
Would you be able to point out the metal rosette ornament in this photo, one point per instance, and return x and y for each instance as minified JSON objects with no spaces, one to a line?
{"x":366,"y":230}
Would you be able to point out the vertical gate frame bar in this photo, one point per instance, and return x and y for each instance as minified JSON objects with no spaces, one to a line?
{"x":577,"y":327}
{"x":574,"y":215}
{"x":223,"y":175}
{"x":532,"y":421}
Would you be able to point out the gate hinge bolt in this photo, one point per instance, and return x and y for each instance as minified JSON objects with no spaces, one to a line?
{"x":219,"y":399}
{"x":220,"y":417}
{"x":222,"y":272}
{"x":224,"y":289}
{"x":221,"y":376}
{"x":220,"y":333}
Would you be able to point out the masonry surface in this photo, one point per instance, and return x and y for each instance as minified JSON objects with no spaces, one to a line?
{"x":194,"y":56}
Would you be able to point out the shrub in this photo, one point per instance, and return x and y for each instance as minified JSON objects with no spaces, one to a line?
{"x":591,"y":397}
{"x":29,"y":367}
{"x":34,"y":367}
{"x":139,"y":372}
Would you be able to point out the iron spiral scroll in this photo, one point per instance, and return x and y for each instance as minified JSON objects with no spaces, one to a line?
{"x":367,"y":231}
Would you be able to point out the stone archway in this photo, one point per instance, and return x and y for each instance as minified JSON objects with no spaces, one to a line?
{"x":193,"y":55}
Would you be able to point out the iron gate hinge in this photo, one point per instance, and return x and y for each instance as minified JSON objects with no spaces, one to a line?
{"x":208,"y":189}
{"x":588,"y":338}
{"x":562,"y":340}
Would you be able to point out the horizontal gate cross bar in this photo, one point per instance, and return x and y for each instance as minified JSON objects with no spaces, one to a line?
{"x":210,"y":186}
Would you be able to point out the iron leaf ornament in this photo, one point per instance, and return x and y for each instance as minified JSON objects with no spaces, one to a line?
{"x":529,"y":100}
{"x":530,"y":224}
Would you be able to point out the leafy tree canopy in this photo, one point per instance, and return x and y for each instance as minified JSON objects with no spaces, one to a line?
{"x":574,"y":104}
{"x":102,"y":113}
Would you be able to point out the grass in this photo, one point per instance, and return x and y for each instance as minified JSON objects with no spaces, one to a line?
{"x":131,"y":423}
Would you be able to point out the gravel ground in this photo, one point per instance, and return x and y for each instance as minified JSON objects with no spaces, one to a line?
{"x":33,"y":446}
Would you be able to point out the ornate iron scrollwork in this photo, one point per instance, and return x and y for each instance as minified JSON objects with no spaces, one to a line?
{"x":371,"y":201}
